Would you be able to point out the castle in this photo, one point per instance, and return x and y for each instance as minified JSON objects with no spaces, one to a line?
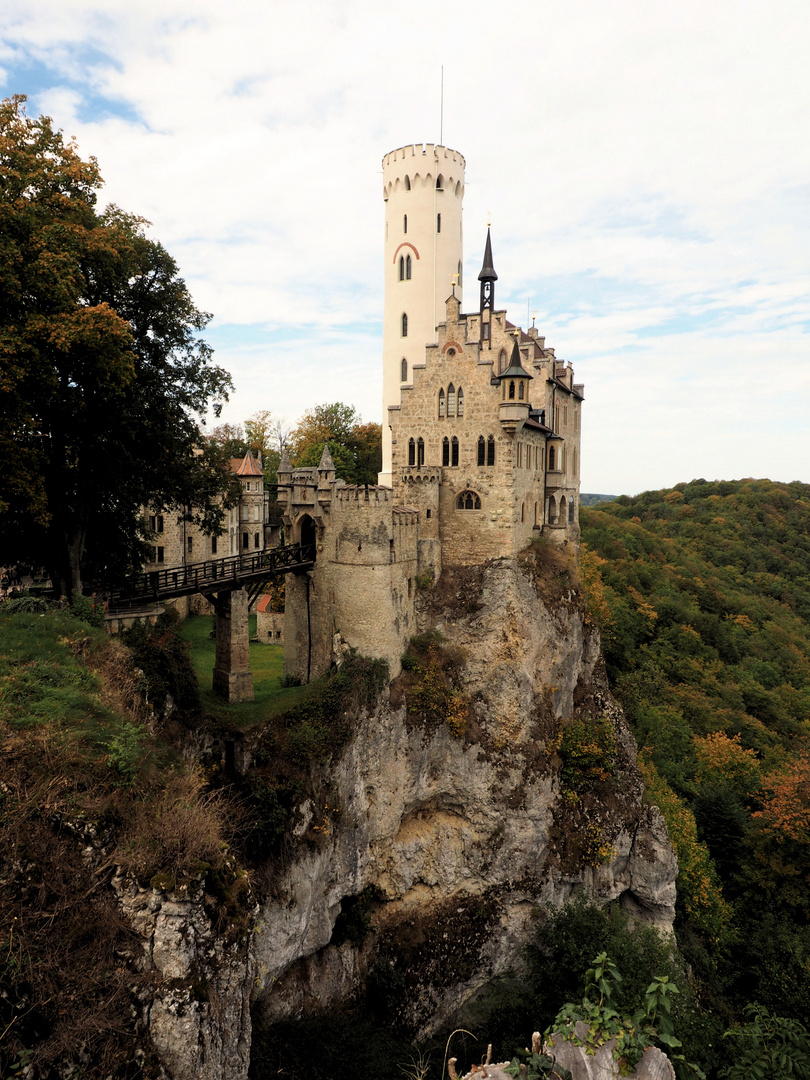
{"x":481,"y":449}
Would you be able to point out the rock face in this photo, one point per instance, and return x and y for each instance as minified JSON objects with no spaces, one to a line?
{"x":198,"y":1015}
{"x":456,"y":838}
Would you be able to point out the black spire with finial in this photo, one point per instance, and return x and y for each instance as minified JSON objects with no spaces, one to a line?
{"x":487,"y":277}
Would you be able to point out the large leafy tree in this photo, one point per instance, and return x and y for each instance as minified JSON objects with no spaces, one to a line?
{"x":356,"y":448}
{"x":103,"y":377}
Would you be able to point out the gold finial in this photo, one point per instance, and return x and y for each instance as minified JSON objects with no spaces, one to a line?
{"x":489,"y":219}
{"x":454,"y":279}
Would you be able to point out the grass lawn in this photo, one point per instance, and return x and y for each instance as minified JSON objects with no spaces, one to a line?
{"x":266,"y":665}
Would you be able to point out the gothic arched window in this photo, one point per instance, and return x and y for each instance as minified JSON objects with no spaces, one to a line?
{"x":407,"y":183}
{"x":420,"y":451}
{"x":411,"y":452}
{"x":460,"y":402}
{"x":407,"y":268}
{"x":404,"y":373}
{"x":404,"y":223}
{"x":511,"y":384}
{"x":468,"y":500}
{"x":520,"y":390}
{"x":441,"y":404}
{"x":454,"y":451}
{"x":451,"y":400}
{"x":502,"y":365}
{"x":404,"y":324}
{"x":445,"y":451}
{"x":482,"y":451}
{"x":401,"y":268}
{"x":491,"y":450}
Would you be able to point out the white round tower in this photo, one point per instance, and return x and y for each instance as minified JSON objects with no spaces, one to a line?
{"x":423,"y":187}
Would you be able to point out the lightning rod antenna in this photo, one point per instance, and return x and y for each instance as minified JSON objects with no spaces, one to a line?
{"x":441,"y":111}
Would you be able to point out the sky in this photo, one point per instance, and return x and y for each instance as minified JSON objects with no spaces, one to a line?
{"x":645,"y":165}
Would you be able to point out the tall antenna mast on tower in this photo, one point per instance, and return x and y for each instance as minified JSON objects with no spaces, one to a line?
{"x":441,"y":111}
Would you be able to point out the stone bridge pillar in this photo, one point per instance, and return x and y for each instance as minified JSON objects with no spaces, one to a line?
{"x":232,"y":678}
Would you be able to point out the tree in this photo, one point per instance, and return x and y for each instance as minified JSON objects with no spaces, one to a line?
{"x":356,"y":448}
{"x":104,"y":377}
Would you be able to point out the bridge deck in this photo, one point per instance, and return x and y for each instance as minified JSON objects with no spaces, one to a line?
{"x":215,"y":575}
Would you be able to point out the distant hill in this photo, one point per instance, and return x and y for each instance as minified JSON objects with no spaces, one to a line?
{"x":592,"y":500}
{"x":703,"y":596}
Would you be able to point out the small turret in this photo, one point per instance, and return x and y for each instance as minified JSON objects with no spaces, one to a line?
{"x":326,"y":475}
{"x":487,"y":277}
{"x":514,"y":406}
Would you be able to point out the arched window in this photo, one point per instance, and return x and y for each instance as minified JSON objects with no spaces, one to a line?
{"x":445,"y":451}
{"x":468,"y":500}
{"x":256,"y":540}
{"x":404,"y":375}
{"x":454,"y":451}
{"x":451,"y":400}
{"x":401,"y":268}
{"x":552,"y":511}
{"x":482,"y":451}
{"x":441,"y":404}
{"x":438,"y":223}
{"x":491,"y":450}
{"x":404,"y":223}
{"x":511,"y":390}
{"x":571,"y":512}
{"x":460,"y":402}
{"x":552,"y":458}
{"x":523,"y":511}
{"x":404,"y":324}
{"x":407,"y":183}
{"x":411,"y":452}
{"x":439,"y":182}
{"x":502,"y":365}
{"x":407,"y":268}
{"x":245,"y":541}
{"x":520,"y":390}
{"x":420,"y":451}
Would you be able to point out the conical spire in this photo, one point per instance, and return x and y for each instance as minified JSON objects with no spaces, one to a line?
{"x":285,"y":466}
{"x":326,"y":462}
{"x":516,"y":369}
{"x":488,"y":270}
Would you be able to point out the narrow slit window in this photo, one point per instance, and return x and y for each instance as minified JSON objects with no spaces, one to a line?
{"x":491,"y":450}
{"x":404,"y":223}
{"x":411,"y":452}
{"x":404,"y":324}
{"x":438,"y":223}
{"x":404,"y":371}
{"x":454,"y":451}
{"x":482,"y":451}
{"x":408,"y":265}
{"x":460,"y":402}
{"x":420,"y":451}
{"x":445,"y":451}
{"x":442,"y":404}
{"x":401,"y":268}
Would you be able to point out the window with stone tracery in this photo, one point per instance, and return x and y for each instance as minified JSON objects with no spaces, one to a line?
{"x":468,"y":500}
{"x":441,"y":404}
{"x":451,"y":400}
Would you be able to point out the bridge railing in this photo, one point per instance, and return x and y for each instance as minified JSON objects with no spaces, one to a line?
{"x":214,"y":573}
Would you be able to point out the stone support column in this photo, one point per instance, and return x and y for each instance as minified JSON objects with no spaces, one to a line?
{"x":232,"y":678}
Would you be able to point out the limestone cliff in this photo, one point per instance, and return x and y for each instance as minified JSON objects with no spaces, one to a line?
{"x":455,"y":831}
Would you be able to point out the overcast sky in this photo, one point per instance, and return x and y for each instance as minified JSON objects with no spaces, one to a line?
{"x":646,"y":166}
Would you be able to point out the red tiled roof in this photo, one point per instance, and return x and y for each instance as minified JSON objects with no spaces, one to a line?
{"x":246,"y":466}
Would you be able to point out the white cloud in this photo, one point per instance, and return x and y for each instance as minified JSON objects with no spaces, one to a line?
{"x":645,"y":165}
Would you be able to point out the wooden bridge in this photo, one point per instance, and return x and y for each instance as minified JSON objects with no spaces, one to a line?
{"x":214,"y":576}
{"x":231,"y":585}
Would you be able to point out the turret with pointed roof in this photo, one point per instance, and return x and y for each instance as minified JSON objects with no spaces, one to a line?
{"x":487,"y":277}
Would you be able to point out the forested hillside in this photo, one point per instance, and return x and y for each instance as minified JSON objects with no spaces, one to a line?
{"x":702,"y":593}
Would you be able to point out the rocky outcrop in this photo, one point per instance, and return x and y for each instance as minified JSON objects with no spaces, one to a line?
{"x":196,"y":1011}
{"x":456,"y":833}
